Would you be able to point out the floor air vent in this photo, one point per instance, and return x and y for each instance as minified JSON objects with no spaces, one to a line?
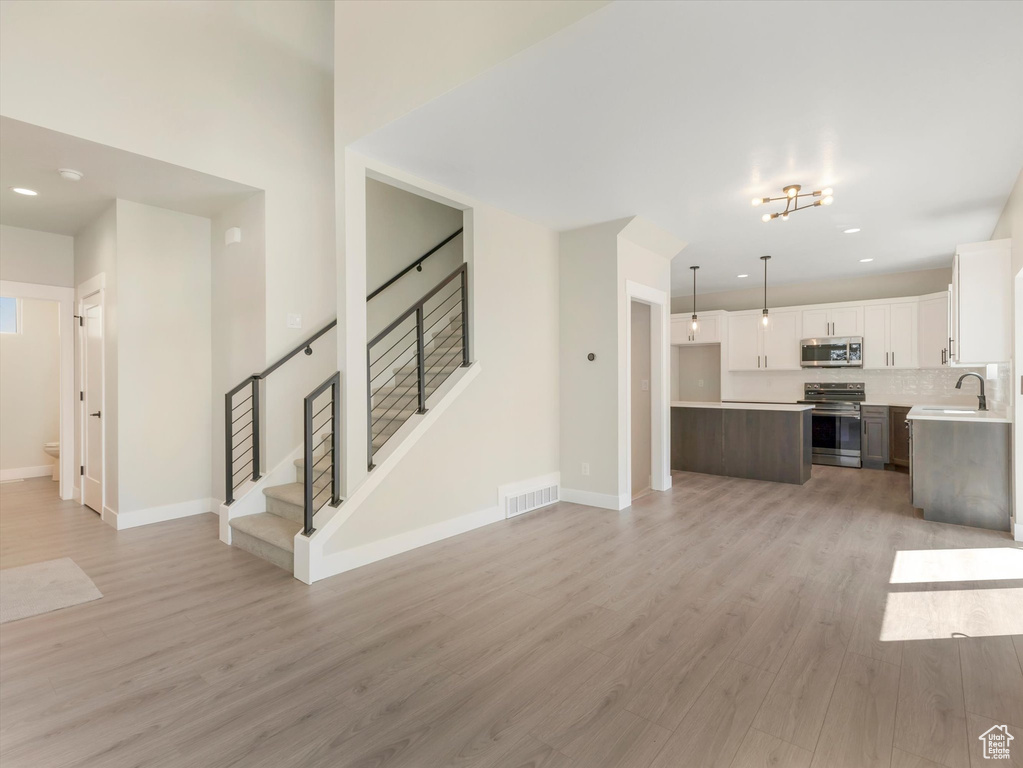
{"x":519,"y":498}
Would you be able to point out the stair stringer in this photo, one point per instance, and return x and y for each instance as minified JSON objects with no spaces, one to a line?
{"x":312,"y":562}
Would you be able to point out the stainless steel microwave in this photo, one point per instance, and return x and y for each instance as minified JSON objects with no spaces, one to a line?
{"x":832,"y":352}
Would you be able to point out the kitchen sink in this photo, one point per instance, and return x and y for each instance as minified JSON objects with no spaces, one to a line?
{"x":950,"y":410}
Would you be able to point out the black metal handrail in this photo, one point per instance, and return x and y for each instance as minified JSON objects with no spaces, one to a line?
{"x":305,"y":346}
{"x":417,"y":264}
{"x":312,"y":470}
{"x":235,"y":423}
{"x":400,"y":398}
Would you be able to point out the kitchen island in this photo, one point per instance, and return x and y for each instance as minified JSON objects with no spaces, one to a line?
{"x":759,"y":441}
{"x":960,"y":465}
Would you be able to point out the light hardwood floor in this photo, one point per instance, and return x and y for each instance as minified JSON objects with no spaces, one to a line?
{"x":724,"y":624}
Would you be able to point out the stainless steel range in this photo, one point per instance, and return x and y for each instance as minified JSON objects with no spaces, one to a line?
{"x":836,"y":422}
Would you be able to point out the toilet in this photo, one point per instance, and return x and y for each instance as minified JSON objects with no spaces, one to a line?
{"x":53,"y":449}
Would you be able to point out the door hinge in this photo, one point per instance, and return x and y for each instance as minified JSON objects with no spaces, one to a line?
{"x":81,"y":395}
{"x":81,"y":470}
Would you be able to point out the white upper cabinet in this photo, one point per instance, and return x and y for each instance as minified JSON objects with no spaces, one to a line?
{"x":832,"y":321}
{"x":876,"y":321}
{"x":744,"y":342}
{"x":781,"y":341}
{"x":981,"y":320}
{"x":890,"y":335}
{"x":902,"y":334}
{"x":708,"y":329}
{"x":933,"y":332}
{"x":754,"y":347}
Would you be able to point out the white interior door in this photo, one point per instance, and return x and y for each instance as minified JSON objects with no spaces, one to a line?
{"x":92,"y":412}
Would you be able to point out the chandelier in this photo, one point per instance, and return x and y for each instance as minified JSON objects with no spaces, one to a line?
{"x":792,"y":197}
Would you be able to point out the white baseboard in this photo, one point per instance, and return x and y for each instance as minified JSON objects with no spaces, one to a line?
{"x":591,"y":499}
{"x":348,"y":559}
{"x":123,"y":520}
{"x":76,"y":494}
{"x":23,"y":473}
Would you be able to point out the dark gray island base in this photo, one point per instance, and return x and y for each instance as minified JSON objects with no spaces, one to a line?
{"x":758,"y":441}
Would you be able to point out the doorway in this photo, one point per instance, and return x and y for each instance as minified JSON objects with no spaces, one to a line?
{"x":90,"y":312}
{"x":641,"y":403}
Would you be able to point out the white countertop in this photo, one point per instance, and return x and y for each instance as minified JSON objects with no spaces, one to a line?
{"x":742,"y":406}
{"x":955,"y":413}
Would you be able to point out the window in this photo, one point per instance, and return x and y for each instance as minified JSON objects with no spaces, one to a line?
{"x":10,"y":315}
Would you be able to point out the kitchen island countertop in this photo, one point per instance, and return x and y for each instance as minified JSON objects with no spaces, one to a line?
{"x":742,"y":406}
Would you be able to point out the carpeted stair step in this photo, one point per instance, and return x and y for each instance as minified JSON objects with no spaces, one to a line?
{"x":320,"y":464}
{"x":267,"y":536}
{"x":287,"y":501}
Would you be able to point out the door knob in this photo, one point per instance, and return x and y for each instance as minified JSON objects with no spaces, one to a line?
{"x":96,"y":414}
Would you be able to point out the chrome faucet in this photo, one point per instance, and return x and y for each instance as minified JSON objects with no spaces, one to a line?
{"x":981,"y":397}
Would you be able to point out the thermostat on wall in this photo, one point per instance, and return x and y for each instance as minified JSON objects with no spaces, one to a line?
{"x":232,"y":236}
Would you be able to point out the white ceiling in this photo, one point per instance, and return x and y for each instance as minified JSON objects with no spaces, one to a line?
{"x":30,"y":157}
{"x":684,"y":111}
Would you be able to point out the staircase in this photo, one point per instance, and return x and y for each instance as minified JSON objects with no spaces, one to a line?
{"x":271,"y":534}
{"x":407,"y":363}
{"x":398,"y":399}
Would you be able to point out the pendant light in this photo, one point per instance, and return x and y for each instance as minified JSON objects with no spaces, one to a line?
{"x":765,"y":260}
{"x":696,"y":323}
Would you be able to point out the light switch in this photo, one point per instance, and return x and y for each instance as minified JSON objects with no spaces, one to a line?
{"x":645,"y":385}
{"x":294,"y":320}
{"x":699,"y":382}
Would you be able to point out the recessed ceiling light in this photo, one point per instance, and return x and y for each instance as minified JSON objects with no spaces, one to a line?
{"x":24,"y":191}
{"x":851,"y":231}
{"x":864,"y":261}
{"x":743,"y":275}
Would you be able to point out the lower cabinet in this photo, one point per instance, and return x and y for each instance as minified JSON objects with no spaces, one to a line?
{"x":874,"y":442}
{"x":898,"y":436}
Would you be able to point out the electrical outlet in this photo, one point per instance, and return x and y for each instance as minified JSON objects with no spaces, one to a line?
{"x":586,"y":468}
{"x":699,"y":382}
{"x":645,"y":385}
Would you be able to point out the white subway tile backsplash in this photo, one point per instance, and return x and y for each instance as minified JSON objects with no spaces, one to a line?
{"x":899,"y":387}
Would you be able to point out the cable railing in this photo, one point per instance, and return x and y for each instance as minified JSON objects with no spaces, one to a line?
{"x":241,"y":422}
{"x":321,"y":475}
{"x":410,"y":358}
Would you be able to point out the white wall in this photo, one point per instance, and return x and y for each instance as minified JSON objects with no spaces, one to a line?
{"x":238,"y":283}
{"x":164,"y":357}
{"x":598,"y":264}
{"x":504,"y":427}
{"x":640,"y":405}
{"x":589,"y":389}
{"x":820,"y":292}
{"x":400,"y":227}
{"x":28,"y":256}
{"x":696,"y":373}
{"x":96,"y":254}
{"x":1010,"y":225}
{"x":30,"y":388}
{"x":240,"y":90}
